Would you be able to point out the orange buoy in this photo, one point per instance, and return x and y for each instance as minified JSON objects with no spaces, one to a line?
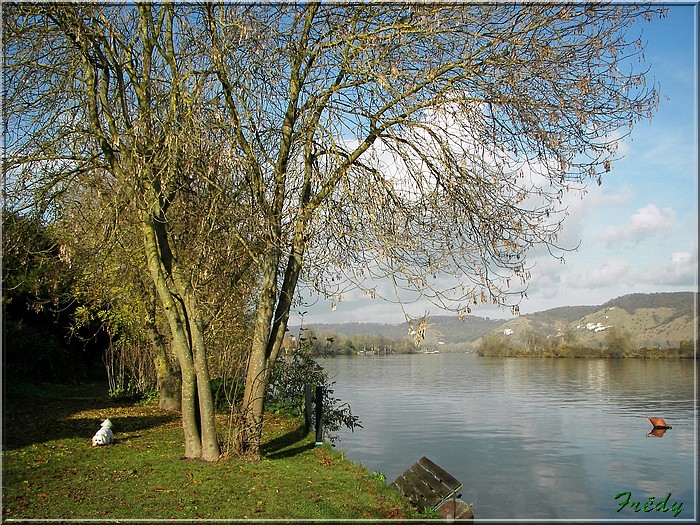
{"x":659,"y":423}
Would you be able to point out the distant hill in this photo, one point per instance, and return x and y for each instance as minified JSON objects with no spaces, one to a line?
{"x":393,"y":331}
{"x":450,"y":329}
{"x":565,"y":314}
{"x":682,"y":302}
{"x":658,"y":320}
{"x":444,"y":328}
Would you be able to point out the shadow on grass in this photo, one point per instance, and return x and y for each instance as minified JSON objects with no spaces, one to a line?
{"x":50,"y":414}
{"x":32,"y":433}
{"x":287,"y":445}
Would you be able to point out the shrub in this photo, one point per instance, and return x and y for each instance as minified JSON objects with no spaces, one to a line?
{"x":285,"y":393}
{"x":227,"y":392}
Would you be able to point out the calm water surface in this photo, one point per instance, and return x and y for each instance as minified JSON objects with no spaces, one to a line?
{"x":529,"y":438}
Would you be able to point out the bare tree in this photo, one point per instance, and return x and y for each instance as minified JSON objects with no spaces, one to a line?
{"x":416,"y":142}
{"x":106,"y":104}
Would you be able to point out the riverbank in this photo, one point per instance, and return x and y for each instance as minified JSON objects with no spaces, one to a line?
{"x":50,"y":471}
{"x":686,"y":352}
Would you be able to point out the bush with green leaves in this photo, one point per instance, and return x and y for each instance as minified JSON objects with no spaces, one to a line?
{"x":285,"y":394}
{"x":227,"y":392}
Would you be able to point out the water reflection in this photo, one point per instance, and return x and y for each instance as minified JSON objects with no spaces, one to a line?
{"x":657,"y":432}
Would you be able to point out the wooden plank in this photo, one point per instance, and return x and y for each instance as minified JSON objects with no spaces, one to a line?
{"x":422,"y":489}
{"x":450,"y":481}
{"x":409,"y":492}
{"x":319,"y":415}
{"x":426,"y":496}
{"x":431,"y":481}
{"x":403,"y":486}
{"x":426,"y":484}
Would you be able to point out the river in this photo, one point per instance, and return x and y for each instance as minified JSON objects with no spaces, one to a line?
{"x":530,"y":438}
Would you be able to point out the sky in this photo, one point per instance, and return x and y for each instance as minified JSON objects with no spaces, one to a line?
{"x":636,"y":233}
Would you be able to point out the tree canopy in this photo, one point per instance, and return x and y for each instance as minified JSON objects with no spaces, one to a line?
{"x":322,"y":145}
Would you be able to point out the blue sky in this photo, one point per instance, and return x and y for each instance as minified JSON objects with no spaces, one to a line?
{"x":638,"y":231}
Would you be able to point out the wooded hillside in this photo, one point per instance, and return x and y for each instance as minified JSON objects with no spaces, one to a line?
{"x":628,"y":325}
{"x":656,"y":321}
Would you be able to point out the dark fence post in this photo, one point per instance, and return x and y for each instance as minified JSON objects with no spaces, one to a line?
{"x":319,"y":415}
{"x":307,"y":408}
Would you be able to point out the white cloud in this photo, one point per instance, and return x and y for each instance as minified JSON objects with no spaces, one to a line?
{"x":546,"y":279}
{"x":647,"y":220}
{"x":680,"y":270}
{"x":610,"y":274}
{"x":585,"y":213}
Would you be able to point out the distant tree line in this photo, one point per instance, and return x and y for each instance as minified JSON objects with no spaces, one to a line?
{"x":325,"y":343}
{"x":617,"y":344}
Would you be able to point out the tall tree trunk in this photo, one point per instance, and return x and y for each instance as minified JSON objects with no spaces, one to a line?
{"x":253,"y":404}
{"x":270,"y":326}
{"x":207,"y":410}
{"x":198,"y":421}
{"x":190,"y":420}
{"x":167,"y":373}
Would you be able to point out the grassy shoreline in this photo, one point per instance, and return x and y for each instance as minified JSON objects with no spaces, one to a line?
{"x":50,"y":471}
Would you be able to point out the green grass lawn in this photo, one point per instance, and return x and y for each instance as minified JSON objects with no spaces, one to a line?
{"x":51,"y":471}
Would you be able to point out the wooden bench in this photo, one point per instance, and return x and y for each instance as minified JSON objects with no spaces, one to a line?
{"x":427,"y":485}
